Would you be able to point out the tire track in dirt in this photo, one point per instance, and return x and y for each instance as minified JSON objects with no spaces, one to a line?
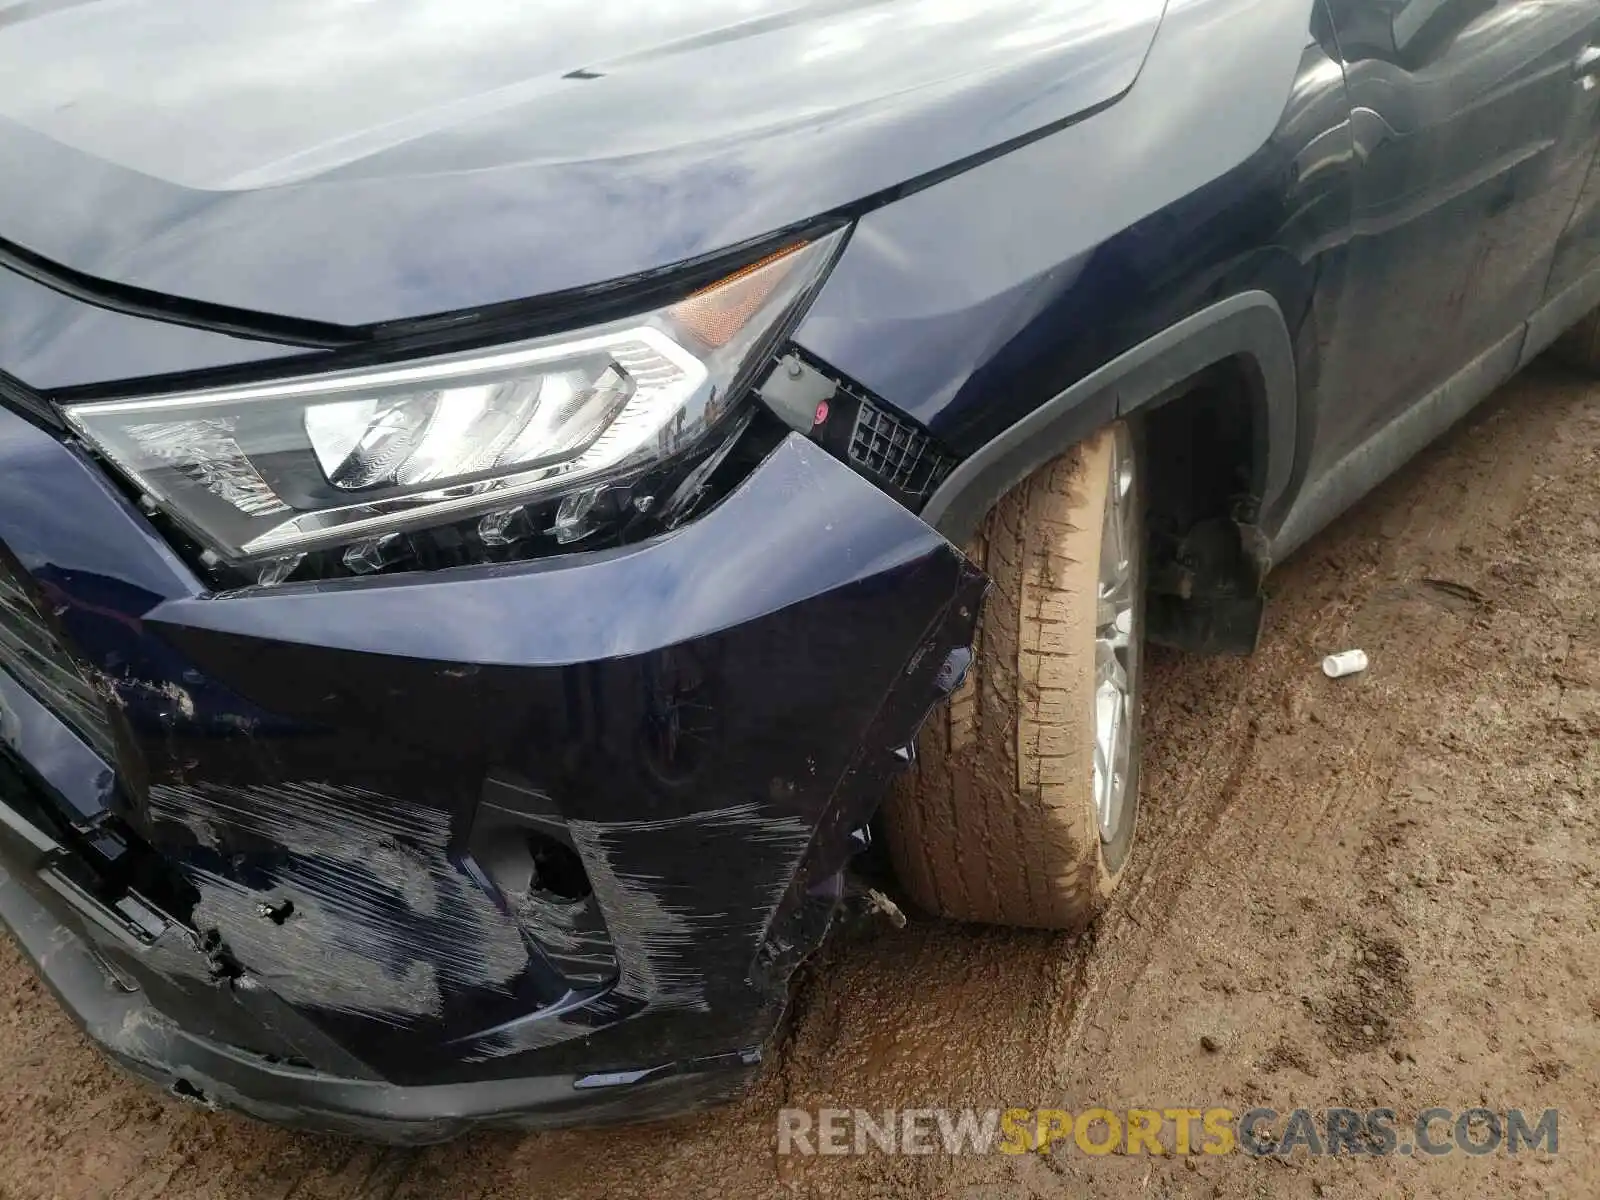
{"x":1332,"y":773}
{"x":1280,"y":681}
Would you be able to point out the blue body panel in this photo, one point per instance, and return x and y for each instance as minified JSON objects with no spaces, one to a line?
{"x":1060,"y":213}
{"x":363,"y":752}
{"x":385,"y":170}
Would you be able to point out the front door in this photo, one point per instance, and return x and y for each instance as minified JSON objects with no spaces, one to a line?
{"x":1475,"y":125}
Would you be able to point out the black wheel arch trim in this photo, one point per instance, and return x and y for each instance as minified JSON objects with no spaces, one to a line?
{"x":1247,"y":327}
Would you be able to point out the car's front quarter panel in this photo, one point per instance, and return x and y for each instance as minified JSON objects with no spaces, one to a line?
{"x":976,"y":301}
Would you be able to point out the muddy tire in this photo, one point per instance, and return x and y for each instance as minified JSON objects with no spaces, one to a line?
{"x":1580,"y":346}
{"x":999,"y":820}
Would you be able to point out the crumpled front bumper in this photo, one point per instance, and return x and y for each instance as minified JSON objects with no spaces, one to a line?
{"x":520,"y":845}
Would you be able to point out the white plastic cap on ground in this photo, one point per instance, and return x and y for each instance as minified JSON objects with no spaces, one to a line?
{"x":1350,"y":662}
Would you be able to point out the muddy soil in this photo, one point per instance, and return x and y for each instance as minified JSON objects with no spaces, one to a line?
{"x":1380,"y":891}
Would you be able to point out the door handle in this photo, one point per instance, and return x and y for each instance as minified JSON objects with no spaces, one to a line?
{"x":1587,"y":64}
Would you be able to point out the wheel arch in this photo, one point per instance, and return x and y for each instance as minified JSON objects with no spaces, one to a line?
{"x":1247,"y":329}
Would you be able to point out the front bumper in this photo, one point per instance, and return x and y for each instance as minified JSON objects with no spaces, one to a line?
{"x":151,"y":1044}
{"x":519,"y":845}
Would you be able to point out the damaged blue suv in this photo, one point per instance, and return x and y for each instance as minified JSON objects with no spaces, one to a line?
{"x":501,"y":504}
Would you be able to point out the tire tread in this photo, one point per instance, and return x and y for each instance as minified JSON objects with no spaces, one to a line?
{"x":996,"y":821}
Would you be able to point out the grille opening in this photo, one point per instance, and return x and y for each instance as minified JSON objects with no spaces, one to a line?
{"x":884,"y":446}
{"x":896,"y":451}
{"x":557,"y":870}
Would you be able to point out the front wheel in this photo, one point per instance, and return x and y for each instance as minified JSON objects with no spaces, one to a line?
{"x":1022,"y":807}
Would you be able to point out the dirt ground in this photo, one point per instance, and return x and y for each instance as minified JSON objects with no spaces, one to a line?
{"x":1380,"y":891}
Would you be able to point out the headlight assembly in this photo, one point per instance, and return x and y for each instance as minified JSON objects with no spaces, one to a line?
{"x":265,"y":472}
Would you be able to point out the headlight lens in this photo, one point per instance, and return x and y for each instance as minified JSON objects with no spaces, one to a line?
{"x":276,"y":469}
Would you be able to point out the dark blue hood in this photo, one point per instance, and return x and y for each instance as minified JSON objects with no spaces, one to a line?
{"x":355,"y":162}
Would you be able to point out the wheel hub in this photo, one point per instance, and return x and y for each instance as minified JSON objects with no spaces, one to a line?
{"x":1117,"y":640}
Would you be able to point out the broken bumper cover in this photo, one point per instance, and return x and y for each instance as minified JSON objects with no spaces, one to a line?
{"x":519,"y":845}
{"x":150,"y":1044}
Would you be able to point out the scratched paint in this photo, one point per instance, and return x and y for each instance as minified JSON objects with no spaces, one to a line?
{"x":576,"y":1016}
{"x":670,"y":946}
{"x":32,"y":653}
{"x":572,"y":934}
{"x":659,"y":920}
{"x":383,"y":923}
